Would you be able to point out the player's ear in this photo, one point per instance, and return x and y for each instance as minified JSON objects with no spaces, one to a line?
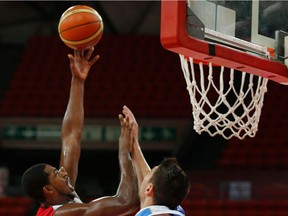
{"x":149,"y":190}
{"x":48,"y":189}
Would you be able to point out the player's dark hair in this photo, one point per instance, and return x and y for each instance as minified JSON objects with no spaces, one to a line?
{"x":33,"y":181}
{"x":171,"y":184}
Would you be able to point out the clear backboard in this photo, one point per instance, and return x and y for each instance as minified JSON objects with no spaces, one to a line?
{"x":245,"y":35}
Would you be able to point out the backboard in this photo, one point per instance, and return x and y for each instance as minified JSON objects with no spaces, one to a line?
{"x":244,"y":35}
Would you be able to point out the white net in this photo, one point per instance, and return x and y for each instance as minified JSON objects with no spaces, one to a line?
{"x":226,"y":103}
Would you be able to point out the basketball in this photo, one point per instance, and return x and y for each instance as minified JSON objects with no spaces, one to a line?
{"x":80,"y":27}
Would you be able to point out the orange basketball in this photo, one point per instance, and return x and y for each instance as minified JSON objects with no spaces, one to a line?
{"x":80,"y":27}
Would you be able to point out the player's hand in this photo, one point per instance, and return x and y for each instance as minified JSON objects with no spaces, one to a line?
{"x":125,"y":139}
{"x":135,"y":130}
{"x":80,"y":63}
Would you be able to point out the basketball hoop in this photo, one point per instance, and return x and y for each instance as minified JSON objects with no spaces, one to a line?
{"x":222,"y":105}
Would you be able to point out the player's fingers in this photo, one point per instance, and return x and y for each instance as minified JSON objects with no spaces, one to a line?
{"x":71,"y":57}
{"x":121,"y":118}
{"x":94,"y":60}
{"x":125,"y":111}
{"x":128,"y":112}
{"x":89,"y":53}
{"x":130,"y":126}
{"x":127,"y":120}
{"x":129,"y":123}
{"x":77,"y":53}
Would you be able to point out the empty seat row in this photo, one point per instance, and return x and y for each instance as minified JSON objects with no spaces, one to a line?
{"x":143,"y":73}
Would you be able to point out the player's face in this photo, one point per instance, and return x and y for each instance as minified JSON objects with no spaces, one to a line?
{"x":59,"y":180}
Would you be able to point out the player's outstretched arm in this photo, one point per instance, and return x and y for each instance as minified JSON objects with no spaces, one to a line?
{"x":139,"y":161}
{"x":126,"y":200}
{"x":72,"y":124}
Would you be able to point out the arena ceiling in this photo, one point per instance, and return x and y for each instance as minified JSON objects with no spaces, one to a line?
{"x":21,"y":19}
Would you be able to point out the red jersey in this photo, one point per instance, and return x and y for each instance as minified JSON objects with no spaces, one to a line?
{"x":51,"y":209}
{"x":45,"y":211}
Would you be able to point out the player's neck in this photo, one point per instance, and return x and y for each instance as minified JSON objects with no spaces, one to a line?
{"x":45,"y":205}
{"x":147,"y":202}
{"x":56,"y":201}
